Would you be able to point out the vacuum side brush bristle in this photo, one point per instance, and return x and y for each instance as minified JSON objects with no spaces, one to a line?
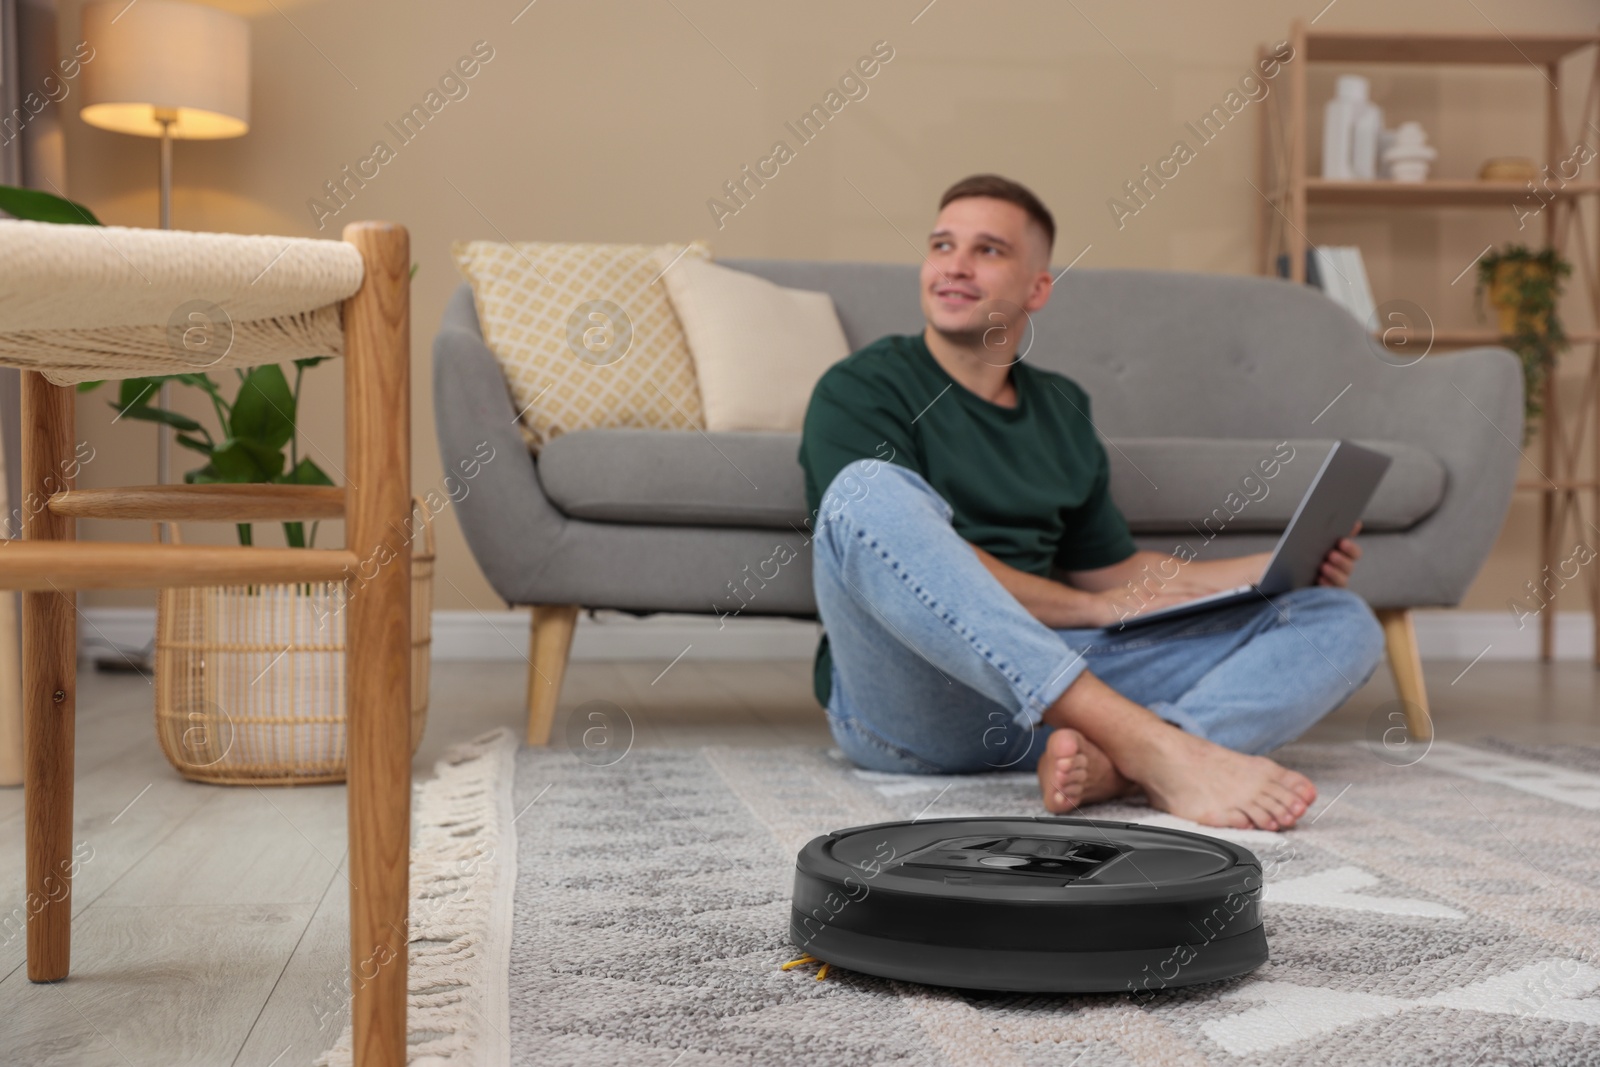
{"x":822,"y":972}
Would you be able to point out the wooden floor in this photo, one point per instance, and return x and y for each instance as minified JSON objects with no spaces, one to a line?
{"x":210,"y":921}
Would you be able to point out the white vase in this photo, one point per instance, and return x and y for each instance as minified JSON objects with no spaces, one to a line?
{"x":1409,"y":157}
{"x":1351,"y":127}
{"x":1365,"y":133}
{"x":1385,"y":139}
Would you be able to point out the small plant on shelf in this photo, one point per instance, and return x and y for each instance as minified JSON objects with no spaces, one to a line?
{"x":1524,"y":287}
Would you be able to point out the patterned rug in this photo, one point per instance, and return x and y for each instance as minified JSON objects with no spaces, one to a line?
{"x":1446,"y":912}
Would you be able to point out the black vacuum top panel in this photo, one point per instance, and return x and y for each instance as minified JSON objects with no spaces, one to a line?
{"x":1037,"y":904}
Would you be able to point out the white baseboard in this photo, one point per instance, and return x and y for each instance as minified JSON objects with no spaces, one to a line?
{"x":503,"y":635}
{"x":102,"y":629}
{"x":612,"y":635}
{"x":1446,"y":634}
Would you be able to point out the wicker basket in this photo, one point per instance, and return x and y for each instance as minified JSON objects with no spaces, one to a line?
{"x":249,"y":680}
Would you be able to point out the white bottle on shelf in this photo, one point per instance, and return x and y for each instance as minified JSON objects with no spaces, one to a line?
{"x":1385,"y":141}
{"x":1338,"y":126}
{"x":1365,"y":134}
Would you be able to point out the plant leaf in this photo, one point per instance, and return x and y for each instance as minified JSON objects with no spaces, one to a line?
{"x":269,"y":460}
{"x":305,"y":473}
{"x":161,"y":415}
{"x":232,"y":463}
{"x":194,"y":444}
{"x":263,"y":411}
{"x":35,"y":206}
{"x":206,"y":475}
{"x":239,"y":460}
{"x":133,"y":392}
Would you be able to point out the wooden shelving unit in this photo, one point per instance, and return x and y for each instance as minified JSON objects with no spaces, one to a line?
{"x":1505,"y":195}
{"x":1566,"y":491}
{"x":1447,"y":339}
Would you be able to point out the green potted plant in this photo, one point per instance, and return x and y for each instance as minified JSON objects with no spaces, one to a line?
{"x":254,"y":430}
{"x":1524,"y":287}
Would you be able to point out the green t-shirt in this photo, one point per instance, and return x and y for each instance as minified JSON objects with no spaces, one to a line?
{"x":1029,"y":484}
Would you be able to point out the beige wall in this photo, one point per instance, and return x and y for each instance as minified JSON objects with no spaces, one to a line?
{"x":616,"y":121}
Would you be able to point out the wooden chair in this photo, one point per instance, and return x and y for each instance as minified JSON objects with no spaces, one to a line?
{"x":87,"y":302}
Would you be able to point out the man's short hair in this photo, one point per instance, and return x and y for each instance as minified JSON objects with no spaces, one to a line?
{"x":993,"y":185}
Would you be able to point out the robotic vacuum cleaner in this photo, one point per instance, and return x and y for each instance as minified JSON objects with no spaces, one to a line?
{"x":1030,"y":904}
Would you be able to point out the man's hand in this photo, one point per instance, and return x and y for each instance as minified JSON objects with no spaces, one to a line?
{"x":1341,"y":560}
{"x":1170,"y":579}
{"x":1064,"y":607}
{"x":1119,"y":605}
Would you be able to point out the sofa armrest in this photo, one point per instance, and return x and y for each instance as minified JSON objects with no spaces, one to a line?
{"x":1465,"y":408}
{"x":509,"y":523}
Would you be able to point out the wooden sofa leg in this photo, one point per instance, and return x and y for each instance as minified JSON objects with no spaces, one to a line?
{"x":49,"y":684}
{"x":1406,"y":663}
{"x":550,"y":641}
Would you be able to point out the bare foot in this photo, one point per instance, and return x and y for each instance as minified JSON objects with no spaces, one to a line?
{"x":1063,"y":771}
{"x":1214,"y":786}
{"x":1104,"y":782}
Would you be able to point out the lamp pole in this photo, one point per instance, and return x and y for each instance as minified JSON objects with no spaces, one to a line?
{"x":172,"y":69}
{"x":166,"y":116}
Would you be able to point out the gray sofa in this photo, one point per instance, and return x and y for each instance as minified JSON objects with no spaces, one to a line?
{"x":1194,"y":378}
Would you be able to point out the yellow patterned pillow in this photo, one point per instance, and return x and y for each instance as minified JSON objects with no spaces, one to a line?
{"x":585,"y":334}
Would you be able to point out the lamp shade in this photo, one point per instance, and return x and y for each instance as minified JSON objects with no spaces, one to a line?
{"x":164,"y":59}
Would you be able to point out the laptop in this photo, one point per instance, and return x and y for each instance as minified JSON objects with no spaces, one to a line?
{"x":1348,"y":477}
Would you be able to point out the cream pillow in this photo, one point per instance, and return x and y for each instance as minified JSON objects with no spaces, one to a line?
{"x":758,"y":348}
{"x":585,"y":333}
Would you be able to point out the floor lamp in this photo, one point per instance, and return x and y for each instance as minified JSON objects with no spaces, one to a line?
{"x":172,"y":70}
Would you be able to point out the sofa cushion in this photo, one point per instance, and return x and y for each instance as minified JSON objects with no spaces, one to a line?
{"x":695,"y":479}
{"x":583,"y":335}
{"x":1162,"y":485}
{"x":758,"y":348}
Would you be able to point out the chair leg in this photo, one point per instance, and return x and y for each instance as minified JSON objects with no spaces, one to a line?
{"x":550,"y":642}
{"x":49,"y":683}
{"x":378,"y":639}
{"x":1406,"y":663}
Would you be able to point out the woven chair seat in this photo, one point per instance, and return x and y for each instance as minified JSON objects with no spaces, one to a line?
{"x":81,"y":303}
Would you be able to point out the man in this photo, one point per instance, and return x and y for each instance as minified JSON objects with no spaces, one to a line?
{"x":950,"y":480}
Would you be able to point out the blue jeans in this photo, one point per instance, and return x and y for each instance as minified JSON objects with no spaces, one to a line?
{"x":938,"y":669}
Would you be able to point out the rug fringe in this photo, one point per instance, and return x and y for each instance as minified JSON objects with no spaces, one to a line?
{"x":459,"y":884}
